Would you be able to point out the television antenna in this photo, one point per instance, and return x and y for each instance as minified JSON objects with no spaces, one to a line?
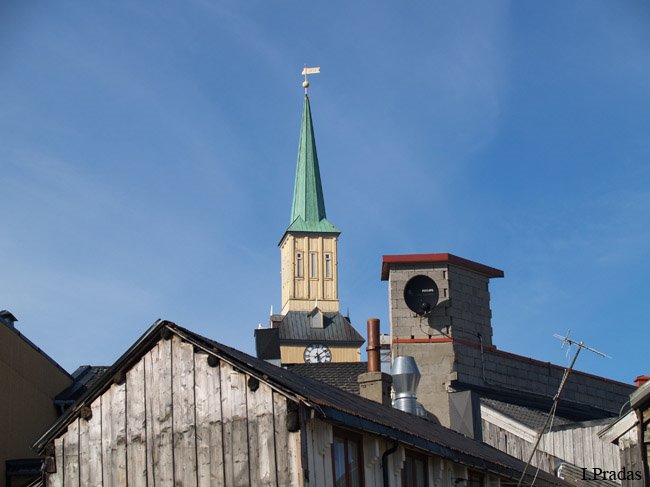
{"x":549,"y":419}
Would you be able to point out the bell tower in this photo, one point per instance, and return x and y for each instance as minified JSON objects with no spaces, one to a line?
{"x":308,"y":247}
{"x":310,"y":329}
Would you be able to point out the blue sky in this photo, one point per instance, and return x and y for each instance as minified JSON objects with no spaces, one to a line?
{"x":148,"y":152}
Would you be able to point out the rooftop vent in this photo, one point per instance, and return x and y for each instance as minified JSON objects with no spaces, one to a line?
{"x":8,"y":318}
{"x":406,"y":378}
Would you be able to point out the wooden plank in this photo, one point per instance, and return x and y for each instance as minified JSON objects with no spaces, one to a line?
{"x":612,"y":452}
{"x":602,"y":453}
{"x":566,"y":437}
{"x":94,"y":445}
{"x":588,"y":448}
{"x":295,"y":461}
{"x":207,"y":391}
{"x":84,"y":452}
{"x":260,"y":436}
{"x":107,"y":452}
{"x":161,"y":414}
{"x":235,"y":433}
{"x":56,"y":479}
{"x":71,"y":455}
{"x":315,"y":474}
{"x":282,"y":443}
{"x":558,"y":445}
{"x":184,"y":432}
{"x":319,"y":443}
{"x":136,"y":432}
{"x":502,"y":440}
{"x":252,"y":400}
{"x":372,"y":451}
{"x":149,"y":375}
{"x":118,"y":433}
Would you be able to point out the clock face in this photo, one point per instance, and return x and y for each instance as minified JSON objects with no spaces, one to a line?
{"x":317,"y":353}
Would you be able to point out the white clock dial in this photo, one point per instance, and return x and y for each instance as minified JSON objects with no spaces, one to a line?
{"x":317,"y":353}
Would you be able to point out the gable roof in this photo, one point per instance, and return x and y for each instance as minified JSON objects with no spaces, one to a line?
{"x":295,"y":327}
{"x":328,"y":403}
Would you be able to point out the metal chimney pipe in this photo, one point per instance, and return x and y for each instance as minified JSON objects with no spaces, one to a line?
{"x":406,"y":378}
{"x":373,"y":345}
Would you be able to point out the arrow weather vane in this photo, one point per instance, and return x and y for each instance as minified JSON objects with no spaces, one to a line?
{"x":305,"y":72}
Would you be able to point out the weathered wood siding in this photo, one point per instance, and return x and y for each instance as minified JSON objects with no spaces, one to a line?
{"x":582,"y":447}
{"x":177,"y":421}
{"x":516,"y":446}
{"x":579,"y":446}
{"x":630,"y":454}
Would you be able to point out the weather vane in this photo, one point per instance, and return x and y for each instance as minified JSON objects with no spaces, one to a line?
{"x":305,"y":72}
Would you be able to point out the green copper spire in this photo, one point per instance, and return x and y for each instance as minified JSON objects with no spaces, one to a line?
{"x":308,"y":209}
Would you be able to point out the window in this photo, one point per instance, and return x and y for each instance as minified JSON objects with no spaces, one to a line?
{"x":474,"y":479}
{"x":299,"y":265}
{"x":328,"y":266}
{"x":313,"y":265}
{"x":414,"y":473}
{"x":347,"y":463}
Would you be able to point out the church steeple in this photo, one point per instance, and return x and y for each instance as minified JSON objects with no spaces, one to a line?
{"x":310,"y":327}
{"x":308,"y":208}
{"x":308,"y":247}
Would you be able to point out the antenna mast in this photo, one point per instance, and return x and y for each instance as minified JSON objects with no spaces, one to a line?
{"x":565,"y":341}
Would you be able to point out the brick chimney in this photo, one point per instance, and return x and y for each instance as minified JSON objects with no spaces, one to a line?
{"x":374,"y":384}
{"x":642,"y":379}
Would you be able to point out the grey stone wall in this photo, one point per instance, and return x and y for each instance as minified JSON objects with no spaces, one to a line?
{"x":522,"y":374}
{"x":435,"y":365}
{"x":405,"y":323}
{"x":470,"y":305}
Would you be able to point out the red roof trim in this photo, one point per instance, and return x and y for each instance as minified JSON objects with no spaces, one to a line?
{"x":442,"y":258}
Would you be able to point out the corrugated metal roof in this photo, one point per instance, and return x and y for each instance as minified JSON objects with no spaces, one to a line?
{"x":295,"y":327}
{"x":329,"y":403}
{"x":338,"y":374}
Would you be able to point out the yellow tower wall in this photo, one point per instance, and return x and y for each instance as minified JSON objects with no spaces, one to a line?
{"x":295,"y":354}
{"x":306,"y":283}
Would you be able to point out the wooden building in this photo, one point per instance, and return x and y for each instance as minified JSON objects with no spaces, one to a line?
{"x":631,"y":435}
{"x":179,"y":409}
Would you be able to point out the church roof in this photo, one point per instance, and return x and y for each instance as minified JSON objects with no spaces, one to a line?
{"x":295,"y":327}
{"x":308,"y":208}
